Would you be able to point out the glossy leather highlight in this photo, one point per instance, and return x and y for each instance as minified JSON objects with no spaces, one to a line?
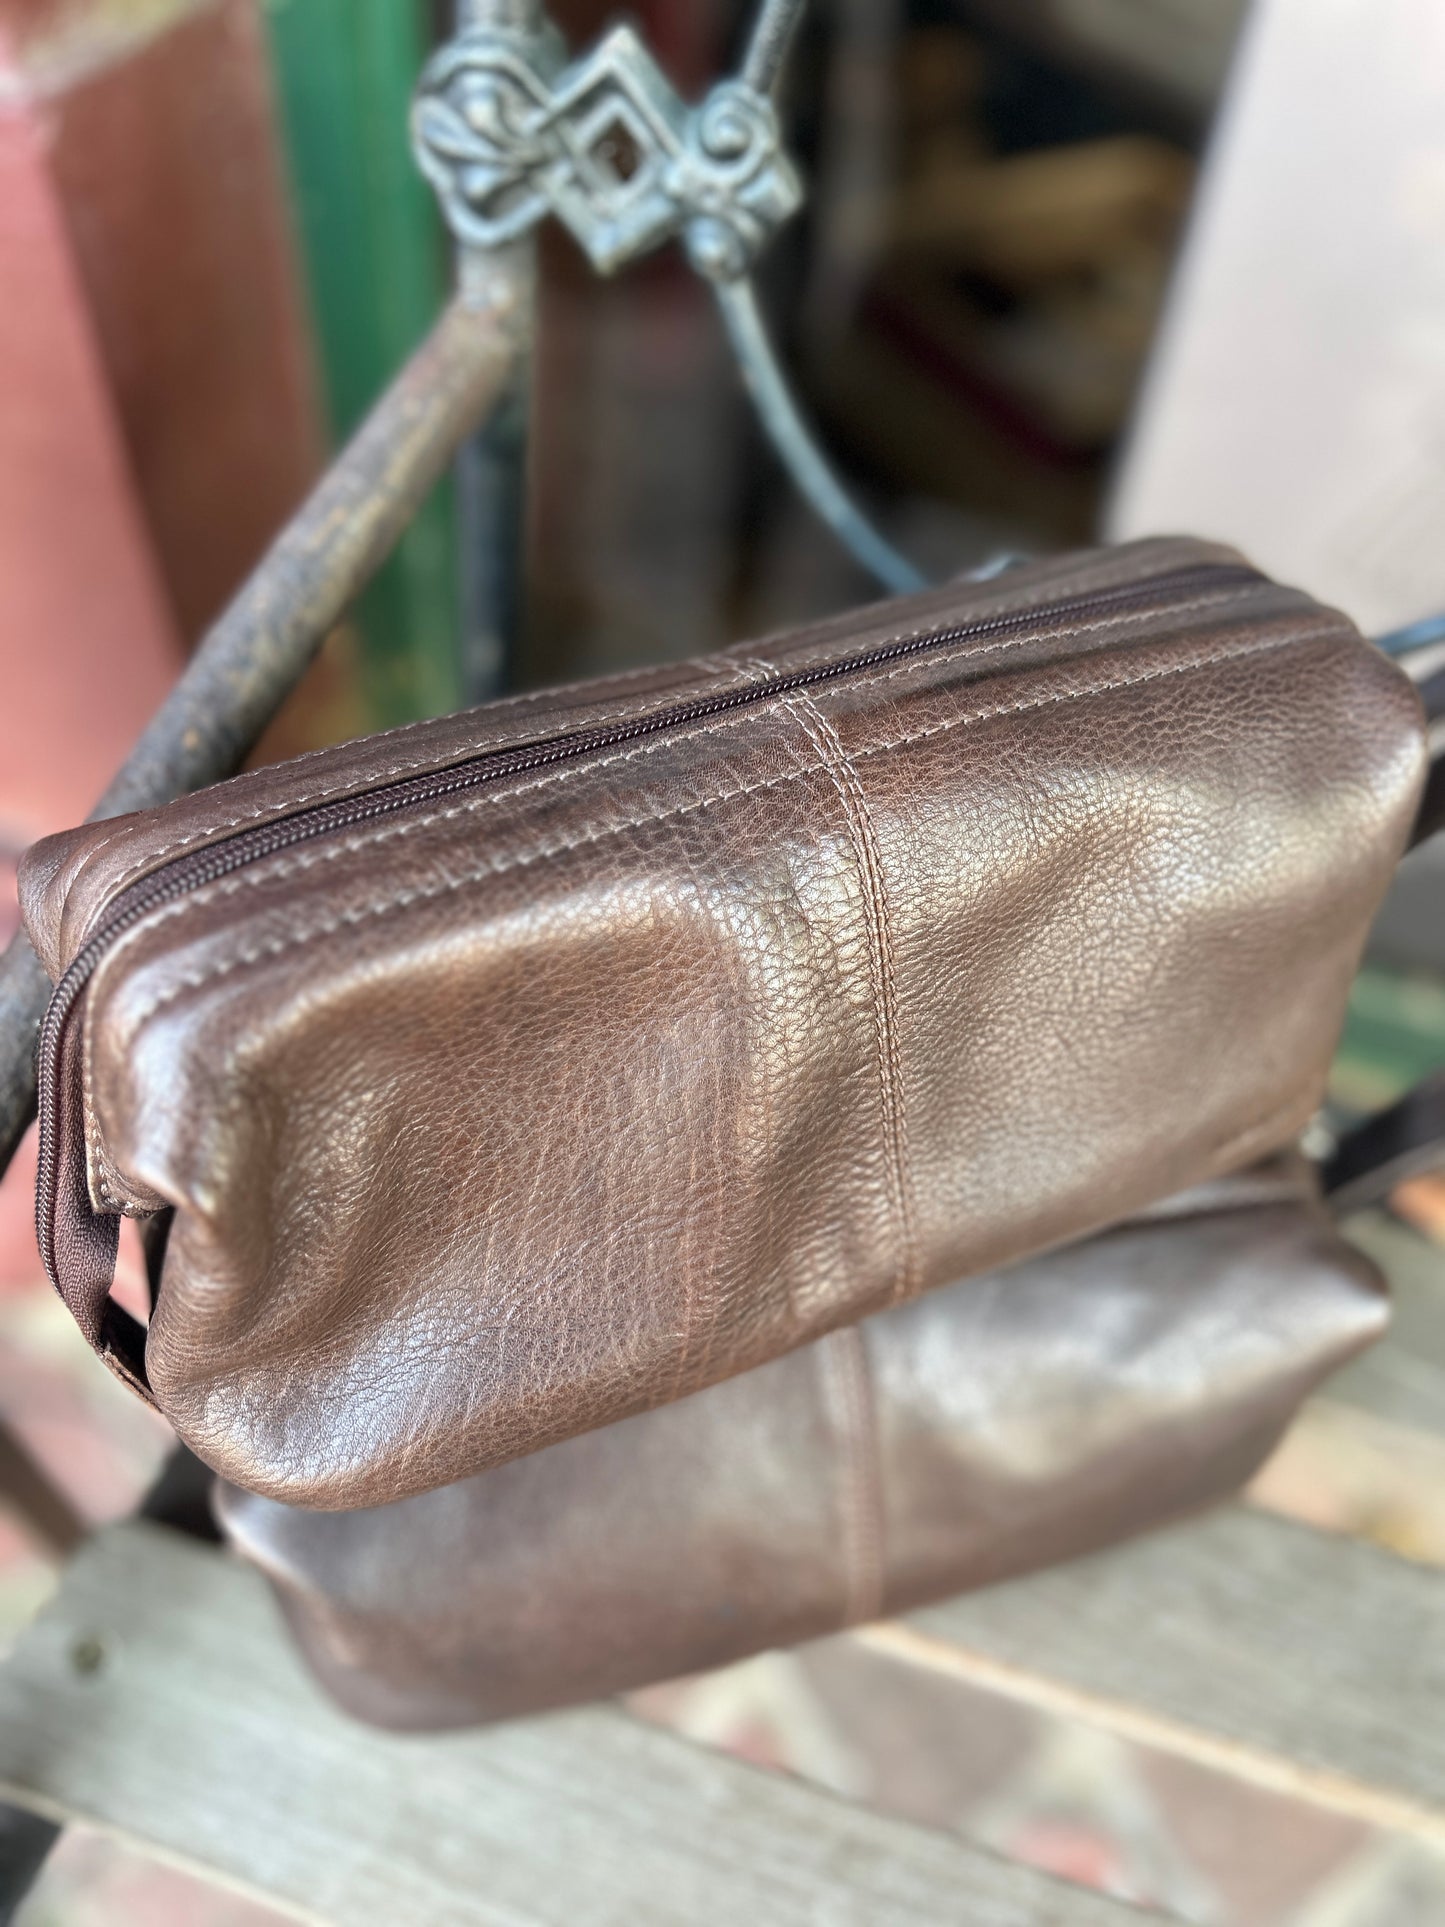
{"x":987,"y":1429}
{"x":542,"y":1107}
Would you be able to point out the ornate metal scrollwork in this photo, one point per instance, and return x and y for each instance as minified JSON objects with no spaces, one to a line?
{"x":507,"y":133}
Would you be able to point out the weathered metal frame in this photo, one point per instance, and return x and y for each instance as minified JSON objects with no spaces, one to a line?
{"x":242,"y":672}
{"x":464,"y":392}
{"x":258,"y":649}
{"x":473,"y":366}
{"x":463,"y":397}
{"x":501,"y":129}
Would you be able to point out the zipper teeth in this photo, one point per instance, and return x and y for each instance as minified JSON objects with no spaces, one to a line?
{"x":219,"y":859}
{"x":194,"y":871}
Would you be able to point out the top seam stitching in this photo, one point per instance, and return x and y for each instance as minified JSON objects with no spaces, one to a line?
{"x":357,"y":784}
{"x":400,"y":900}
{"x":290,"y":864}
{"x":261,"y":815}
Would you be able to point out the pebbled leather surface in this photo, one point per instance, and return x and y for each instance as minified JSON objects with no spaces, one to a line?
{"x":987,"y":1429}
{"x":559,"y":1102}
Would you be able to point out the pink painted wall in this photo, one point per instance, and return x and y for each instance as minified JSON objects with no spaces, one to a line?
{"x":87,"y":645}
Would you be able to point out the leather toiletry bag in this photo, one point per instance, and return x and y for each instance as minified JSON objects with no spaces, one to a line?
{"x":524,"y":1070}
{"x":982,"y":1431}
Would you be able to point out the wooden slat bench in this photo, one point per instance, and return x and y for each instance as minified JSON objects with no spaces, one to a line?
{"x":157,"y":1698}
{"x":1302,"y":1662}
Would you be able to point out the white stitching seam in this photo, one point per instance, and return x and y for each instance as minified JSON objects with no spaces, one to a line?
{"x":807,"y":714}
{"x":373,"y":777}
{"x":869,"y":863}
{"x":360,"y":781}
{"x":293,"y":864}
{"x":97,"y":1165}
{"x":351,"y":919}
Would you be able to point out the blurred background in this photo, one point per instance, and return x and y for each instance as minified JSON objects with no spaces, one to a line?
{"x":1068,"y":269}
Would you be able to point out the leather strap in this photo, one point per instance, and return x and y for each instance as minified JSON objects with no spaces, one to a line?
{"x":1409,"y":1137}
{"x":1431,"y":819}
{"x":1398,"y":1143}
{"x":86,"y":1240}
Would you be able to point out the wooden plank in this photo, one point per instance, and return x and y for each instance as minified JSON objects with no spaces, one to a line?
{"x":1401,"y":1379}
{"x":157,"y":1698}
{"x":1367,"y":1455}
{"x":1301,"y":1662}
{"x":1343,"y":1469}
{"x":27,"y":1489}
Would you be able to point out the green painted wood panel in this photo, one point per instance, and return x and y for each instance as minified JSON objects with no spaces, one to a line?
{"x":376,"y":263}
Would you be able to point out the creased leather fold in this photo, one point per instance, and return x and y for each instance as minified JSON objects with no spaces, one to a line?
{"x":536,"y":1108}
{"x":984,"y":1431}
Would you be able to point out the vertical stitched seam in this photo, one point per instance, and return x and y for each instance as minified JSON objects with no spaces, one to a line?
{"x":293,"y":864}
{"x":680,"y":1389}
{"x":98,"y":1171}
{"x":859,"y":1481}
{"x":886,"y":1122}
{"x":870,"y":867}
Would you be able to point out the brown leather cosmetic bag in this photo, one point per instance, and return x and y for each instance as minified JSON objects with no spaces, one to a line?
{"x":985,"y":1430}
{"x":538,"y":1066}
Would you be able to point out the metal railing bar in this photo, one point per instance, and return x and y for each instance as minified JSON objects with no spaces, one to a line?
{"x":257,"y":650}
{"x":796,"y":444}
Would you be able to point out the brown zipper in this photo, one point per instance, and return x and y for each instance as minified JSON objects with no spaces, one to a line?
{"x":197,"y":868}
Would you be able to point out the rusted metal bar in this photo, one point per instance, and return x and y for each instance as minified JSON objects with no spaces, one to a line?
{"x":255,"y":653}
